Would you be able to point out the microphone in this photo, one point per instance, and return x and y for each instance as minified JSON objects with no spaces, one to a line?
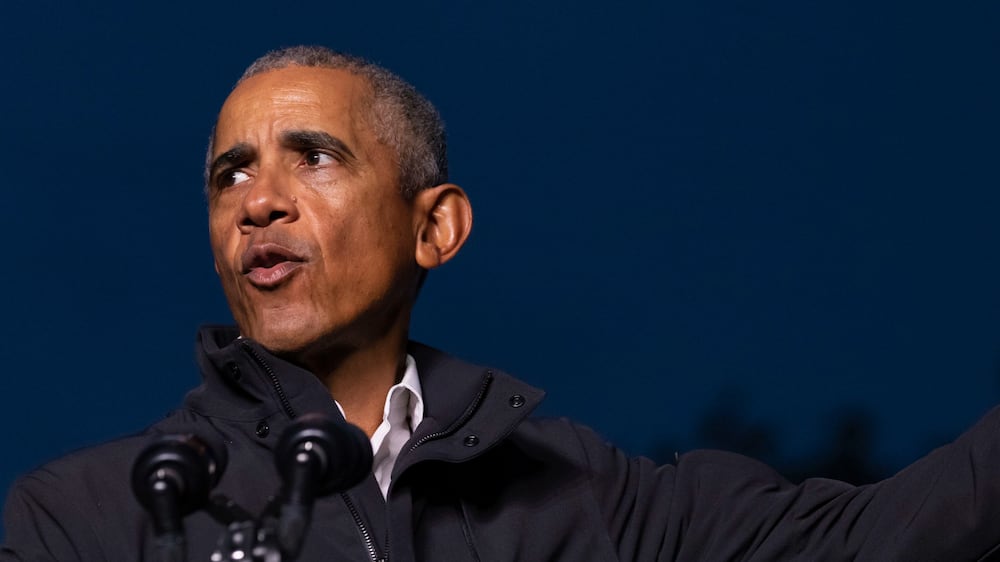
{"x":171,"y":478}
{"x":316,"y":457}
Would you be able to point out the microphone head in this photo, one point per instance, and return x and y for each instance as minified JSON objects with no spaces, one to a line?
{"x":192,"y":466}
{"x":341,"y":451}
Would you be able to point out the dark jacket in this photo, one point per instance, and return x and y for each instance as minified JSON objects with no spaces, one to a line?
{"x":480,"y":481}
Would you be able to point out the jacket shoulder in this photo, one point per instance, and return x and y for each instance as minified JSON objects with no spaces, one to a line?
{"x":80,"y":506}
{"x":64,"y":509}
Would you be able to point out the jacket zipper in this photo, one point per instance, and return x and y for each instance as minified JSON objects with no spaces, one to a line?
{"x":462,"y":419}
{"x":369,"y":541}
{"x":466,"y":415}
{"x":282,"y":397}
{"x":287,"y":407}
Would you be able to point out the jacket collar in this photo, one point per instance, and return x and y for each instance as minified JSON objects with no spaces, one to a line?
{"x":467,"y":408}
{"x":243,"y":381}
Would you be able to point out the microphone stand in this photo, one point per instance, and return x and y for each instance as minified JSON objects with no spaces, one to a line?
{"x":246,"y":539}
{"x":164,"y":501}
{"x":172,"y":477}
{"x":315,"y":457}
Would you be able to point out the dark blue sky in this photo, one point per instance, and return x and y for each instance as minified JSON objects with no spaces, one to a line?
{"x":794,"y":201}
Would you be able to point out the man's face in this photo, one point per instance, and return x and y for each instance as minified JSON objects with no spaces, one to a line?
{"x":312,"y":239}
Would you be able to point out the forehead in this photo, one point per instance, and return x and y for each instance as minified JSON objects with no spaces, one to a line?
{"x":295,"y":97}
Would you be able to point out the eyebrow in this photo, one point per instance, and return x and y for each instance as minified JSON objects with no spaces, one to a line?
{"x":296,"y":139}
{"x":302,"y":139}
{"x":238,"y":154}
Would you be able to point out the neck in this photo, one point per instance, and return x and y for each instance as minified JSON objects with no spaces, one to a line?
{"x":359,"y":376}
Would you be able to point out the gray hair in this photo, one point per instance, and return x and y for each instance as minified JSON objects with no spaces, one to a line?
{"x":400,"y":116}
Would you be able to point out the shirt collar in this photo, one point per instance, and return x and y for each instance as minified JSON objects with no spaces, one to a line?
{"x":411,"y":382}
{"x":397,"y":395}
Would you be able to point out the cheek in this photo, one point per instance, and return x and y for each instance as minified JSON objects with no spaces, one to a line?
{"x":358,"y":254}
{"x":377,"y":237}
{"x":222,"y":236}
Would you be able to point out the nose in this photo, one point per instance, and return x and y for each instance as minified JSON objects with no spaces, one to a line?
{"x":269,"y":200}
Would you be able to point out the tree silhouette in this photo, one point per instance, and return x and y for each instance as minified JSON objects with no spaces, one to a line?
{"x":847,"y":453}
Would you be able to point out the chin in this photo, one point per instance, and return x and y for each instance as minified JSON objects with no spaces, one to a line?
{"x":281,"y":342}
{"x":281,"y":333}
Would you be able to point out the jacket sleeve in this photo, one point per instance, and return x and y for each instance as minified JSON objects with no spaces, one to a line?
{"x":42,"y":526}
{"x":720,"y":506}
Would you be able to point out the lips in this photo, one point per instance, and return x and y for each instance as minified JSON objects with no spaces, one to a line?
{"x":267,"y":266}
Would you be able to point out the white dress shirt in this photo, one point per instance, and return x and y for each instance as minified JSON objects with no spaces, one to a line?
{"x":403,"y":412}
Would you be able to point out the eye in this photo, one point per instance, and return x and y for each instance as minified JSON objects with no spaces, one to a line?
{"x":230,"y":178}
{"x":317,"y":158}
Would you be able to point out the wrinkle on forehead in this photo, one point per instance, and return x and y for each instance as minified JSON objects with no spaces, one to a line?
{"x":297,"y":98}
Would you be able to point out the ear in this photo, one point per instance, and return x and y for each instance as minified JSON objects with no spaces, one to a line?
{"x":442,"y":220}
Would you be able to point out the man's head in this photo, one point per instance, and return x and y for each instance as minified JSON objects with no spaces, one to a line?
{"x":319,"y":230}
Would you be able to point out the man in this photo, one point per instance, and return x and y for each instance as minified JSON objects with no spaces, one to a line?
{"x":328,"y":203}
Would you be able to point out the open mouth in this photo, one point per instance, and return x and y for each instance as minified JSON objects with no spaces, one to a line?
{"x":267,"y":266}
